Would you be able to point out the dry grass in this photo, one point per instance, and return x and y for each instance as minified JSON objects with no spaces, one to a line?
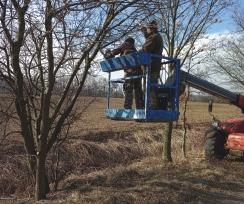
{"x":120,"y":162}
{"x":198,"y":112}
{"x":15,"y":177}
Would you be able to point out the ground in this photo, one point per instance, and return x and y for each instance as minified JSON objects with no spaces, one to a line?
{"x":120,"y":162}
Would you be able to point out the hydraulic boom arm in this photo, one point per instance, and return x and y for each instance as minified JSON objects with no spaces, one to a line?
{"x":213,"y":89}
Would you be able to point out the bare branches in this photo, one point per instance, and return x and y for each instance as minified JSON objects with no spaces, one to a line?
{"x":3,"y":21}
{"x":54,"y":39}
{"x":228,"y":57}
{"x":239,"y":20}
{"x":228,"y":60}
{"x":184,"y":21}
{"x":7,"y":117}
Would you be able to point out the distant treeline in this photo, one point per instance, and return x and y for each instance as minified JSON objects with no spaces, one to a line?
{"x":206,"y":98}
{"x":98,"y":87}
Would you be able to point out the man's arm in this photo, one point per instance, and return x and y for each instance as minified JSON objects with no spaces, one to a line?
{"x":149,"y":45}
{"x":120,"y":49}
{"x":116,"y":51}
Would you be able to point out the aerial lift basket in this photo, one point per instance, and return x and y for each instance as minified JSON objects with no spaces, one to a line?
{"x":167,"y":89}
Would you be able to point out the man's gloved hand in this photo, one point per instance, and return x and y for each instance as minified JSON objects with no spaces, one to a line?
{"x":108,"y":54}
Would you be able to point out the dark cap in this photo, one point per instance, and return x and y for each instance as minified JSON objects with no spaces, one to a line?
{"x":153,"y":24}
{"x":130,"y":40}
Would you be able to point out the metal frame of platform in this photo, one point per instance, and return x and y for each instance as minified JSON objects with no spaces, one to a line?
{"x":147,"y":114}
{"x":141,"y":115}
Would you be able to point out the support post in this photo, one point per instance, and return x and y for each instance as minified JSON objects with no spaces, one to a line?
{"x":147,"y":89}
{"x":109,"y":90}
{"x":177,"y":85}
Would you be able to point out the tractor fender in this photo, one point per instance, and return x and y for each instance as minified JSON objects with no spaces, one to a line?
{"x":235,"y":141}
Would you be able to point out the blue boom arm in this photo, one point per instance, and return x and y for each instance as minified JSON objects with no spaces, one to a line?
{"x":212,"y":89}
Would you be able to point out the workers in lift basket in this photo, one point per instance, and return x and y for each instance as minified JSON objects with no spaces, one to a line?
{"x":130,"y":85}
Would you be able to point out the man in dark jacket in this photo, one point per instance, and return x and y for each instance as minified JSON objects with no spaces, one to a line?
{"x":153,"y":44}
{"x":130,"y":84}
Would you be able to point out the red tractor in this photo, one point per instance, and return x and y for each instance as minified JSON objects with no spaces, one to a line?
{"x":226,"y":137}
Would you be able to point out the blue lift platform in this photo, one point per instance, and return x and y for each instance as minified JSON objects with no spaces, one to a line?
{"x":167,"y":89}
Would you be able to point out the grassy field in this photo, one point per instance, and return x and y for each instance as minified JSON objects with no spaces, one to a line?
{"x":108,"y":161}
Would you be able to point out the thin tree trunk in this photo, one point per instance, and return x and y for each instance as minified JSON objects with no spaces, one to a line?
{"x":184,"y":129}
{"x":42,"y":186}
{"x":167,"y":142}
{"x":187,"y":92}
{"x":169,"y":126}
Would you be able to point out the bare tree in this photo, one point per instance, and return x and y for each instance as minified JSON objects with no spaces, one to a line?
{"x":42,"y":41}
{"x":183,"y":22}
{"x":228,"y":57}
{"x":195,"y":59}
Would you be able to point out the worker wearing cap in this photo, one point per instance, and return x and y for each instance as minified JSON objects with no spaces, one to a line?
{"x":153,"y":44}
{"x":130,"y":84}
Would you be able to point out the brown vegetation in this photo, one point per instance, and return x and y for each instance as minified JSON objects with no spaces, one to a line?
{"x":109,"y":161}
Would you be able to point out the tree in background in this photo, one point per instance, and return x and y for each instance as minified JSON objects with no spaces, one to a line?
{"x":43,"y":41}
{"x":183,"y":23}
{"x":228,"y":57}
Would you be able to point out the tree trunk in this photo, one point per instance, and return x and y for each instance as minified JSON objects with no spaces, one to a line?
{"x":167,"y":142}
{"x":184,"y":131}
{"x":187,"y":91}
{"x":42,"y":186}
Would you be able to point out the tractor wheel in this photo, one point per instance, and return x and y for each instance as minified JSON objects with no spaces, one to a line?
{"x":215,"y":142}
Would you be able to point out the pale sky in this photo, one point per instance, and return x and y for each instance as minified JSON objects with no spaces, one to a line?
{"x":227,"y":24}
